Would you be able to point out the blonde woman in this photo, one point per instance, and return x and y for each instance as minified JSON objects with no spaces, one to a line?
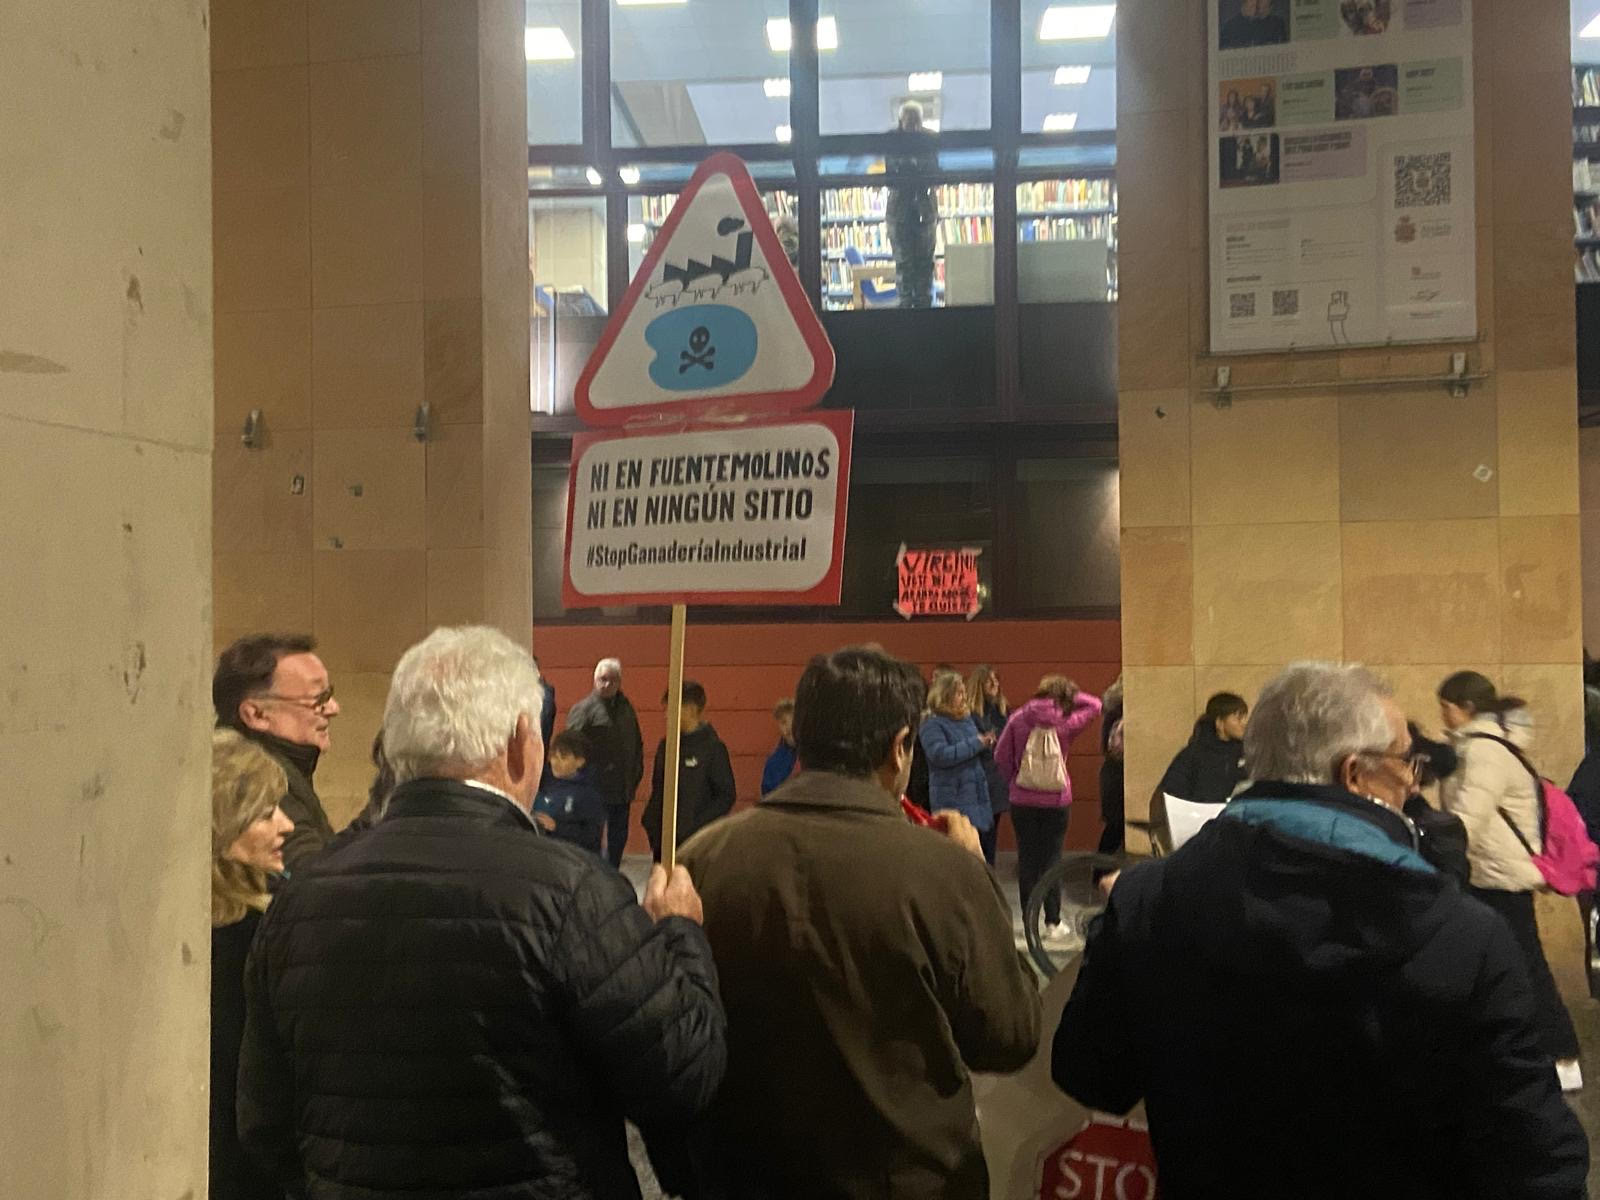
{"x":247,"y":832}
{"x":990,"y":709}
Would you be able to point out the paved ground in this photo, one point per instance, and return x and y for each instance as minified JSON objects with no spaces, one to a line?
{"x":1559,"y":923}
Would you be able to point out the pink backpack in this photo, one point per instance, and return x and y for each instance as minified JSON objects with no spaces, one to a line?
{"x":1569,"y":859}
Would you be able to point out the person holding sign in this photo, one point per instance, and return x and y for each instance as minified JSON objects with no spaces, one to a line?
{"x":706,"y":789}
{"x":867,"y":965}
{"x":616,"y":749}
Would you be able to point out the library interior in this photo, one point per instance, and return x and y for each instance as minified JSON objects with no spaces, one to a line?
{"x":1193,"y":338}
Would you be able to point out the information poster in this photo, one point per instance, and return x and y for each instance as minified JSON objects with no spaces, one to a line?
{"x":1341,"y":160}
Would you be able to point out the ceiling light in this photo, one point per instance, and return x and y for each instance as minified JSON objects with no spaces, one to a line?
{"x":546,"y":43}
{"x":1077,"y":23}
{"x":1072,"y":76}
{"x":783,"y":133}
{"x":636,"y":234}
{"x":781,"y":37}
{"x":647,"y":3}
{"x":1591,"y":30}
{"x":592,"y":176}
{"x":925,"y":81}
{"x":1060,"y":122}
{"x":931,"y":124}
{"x":776,"y":89}
{"x":628,"y":175}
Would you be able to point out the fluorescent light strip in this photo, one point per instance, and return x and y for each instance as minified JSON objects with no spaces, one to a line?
{"x":1077,"y":23}
{"x":1061,"y":122}
{"x":925,"y":81}
{"x":636,"y":233}
{"x":1591,"y":30}
{"x":647,"y":3}
{"x":592,"y":176}
{"x":628,"y":175}
{"x":1072,"y":76}
{"x":546,"y":43}
{"x":780,"y":37}
{"x":783,"y":133}
{"x":776,"y":89}
{"x":931,"y":124}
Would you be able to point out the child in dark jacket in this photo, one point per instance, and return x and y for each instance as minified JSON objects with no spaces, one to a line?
{"x":781,"y":762}
{"x":706,"y":789}
{"x":1211,"y":767}
{"x":570,"y":807}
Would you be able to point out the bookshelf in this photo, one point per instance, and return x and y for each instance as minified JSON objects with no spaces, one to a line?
{"x":1586,"y":171}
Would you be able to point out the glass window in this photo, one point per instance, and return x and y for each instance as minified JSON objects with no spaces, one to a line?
{"x":1068,"y":518}
{"x":567,"y":280}
{"x":924,"y":503}
{"x":710,"y":72}
{"x":885,"y":53}
{"x":945,"y":255}
{"x":549,"y":538}
{"x":1069,"y":55}
{"x":1067,"y":230}
{"x":553,"y":41}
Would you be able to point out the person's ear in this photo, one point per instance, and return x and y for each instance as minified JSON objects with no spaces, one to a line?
{"x":252,"y":715}
{"x":1349,"y":774}
{"x":903,"y":747}
{"x":522,"y":755}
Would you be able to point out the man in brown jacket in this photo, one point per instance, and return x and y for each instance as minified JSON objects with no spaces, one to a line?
{"x":866,"y":966}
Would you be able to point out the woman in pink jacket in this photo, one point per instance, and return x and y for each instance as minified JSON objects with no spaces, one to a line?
{"x":1040,"y":816}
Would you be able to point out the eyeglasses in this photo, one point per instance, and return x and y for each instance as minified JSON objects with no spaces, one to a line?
{"x":316,"y":703}
{"x":1414,"y":764}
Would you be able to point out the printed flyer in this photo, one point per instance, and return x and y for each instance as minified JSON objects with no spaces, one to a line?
{"x":1342,"y":207}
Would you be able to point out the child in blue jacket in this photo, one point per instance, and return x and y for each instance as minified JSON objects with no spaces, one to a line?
{"x":569,"y":807}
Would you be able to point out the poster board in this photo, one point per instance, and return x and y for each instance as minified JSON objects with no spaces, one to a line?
{"x":1341,"y":163}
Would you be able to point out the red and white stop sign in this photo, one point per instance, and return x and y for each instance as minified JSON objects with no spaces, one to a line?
{"x":1105,"y":1161}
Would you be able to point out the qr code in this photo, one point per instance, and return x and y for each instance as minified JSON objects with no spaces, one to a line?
{"x":1286,"y":302}
{"x":1422,"y":180}
{"x":1242,"y":305}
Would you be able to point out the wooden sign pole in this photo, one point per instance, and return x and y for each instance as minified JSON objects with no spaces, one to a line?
{"x":669,"y":795}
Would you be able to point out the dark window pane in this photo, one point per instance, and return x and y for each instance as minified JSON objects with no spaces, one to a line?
{"x":908,"y":360}
{"x":1068,"y":521}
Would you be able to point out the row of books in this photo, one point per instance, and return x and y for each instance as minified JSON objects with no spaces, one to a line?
{"x":1586,"y":86}
{"x":1066,"y":229}
{"x":1586,"y":218}
{"x":1066,"y":193}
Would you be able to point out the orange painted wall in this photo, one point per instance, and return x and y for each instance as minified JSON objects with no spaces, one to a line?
{"x":745,"y":669}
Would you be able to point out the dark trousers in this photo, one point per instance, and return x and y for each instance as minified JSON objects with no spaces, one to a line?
{"x":1114,"y":834}
{"x":1040,"y":832}
{"x":987,"y":839}
{"x":616,"y":832}
{"x":1557,"y":1037}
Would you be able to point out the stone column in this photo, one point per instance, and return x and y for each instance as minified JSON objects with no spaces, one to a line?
{"x":371,"y":242}
{"x":1405,"y":529}
{"x":105,"y":447}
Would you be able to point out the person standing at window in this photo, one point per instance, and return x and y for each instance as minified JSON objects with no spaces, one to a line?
{"x":913,"y":213}
{"x":990,"y":708}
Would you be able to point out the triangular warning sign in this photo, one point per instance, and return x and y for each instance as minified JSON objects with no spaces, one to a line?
{"x":716,"y":321}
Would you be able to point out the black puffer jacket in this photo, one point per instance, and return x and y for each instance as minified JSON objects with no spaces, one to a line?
{"x":1208,"y":770}
{"x":1309,"y":1009}
{"x":452,"y":1005}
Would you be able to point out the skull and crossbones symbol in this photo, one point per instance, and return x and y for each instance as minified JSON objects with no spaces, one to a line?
{"x":700,"y":353}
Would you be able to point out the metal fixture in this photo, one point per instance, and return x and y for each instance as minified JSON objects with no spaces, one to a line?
{"x":1458,"y":381}
{"x":251,"y":435}
{"x":420,"y":425}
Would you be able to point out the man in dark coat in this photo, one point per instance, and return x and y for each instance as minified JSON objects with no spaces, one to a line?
{"x":706,"y":789}
{"x":616,"y":750}
{"x":867,"y":966}
{"x":912,"y":212}
{"x":274,"y":690}
{"x":451,"y":1003}
{"x":1306,"y":1006}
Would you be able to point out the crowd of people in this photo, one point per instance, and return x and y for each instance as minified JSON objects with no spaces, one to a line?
{"x":459,"y":994}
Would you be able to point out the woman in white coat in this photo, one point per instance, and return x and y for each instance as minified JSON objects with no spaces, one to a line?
{"x":1492,"y":790}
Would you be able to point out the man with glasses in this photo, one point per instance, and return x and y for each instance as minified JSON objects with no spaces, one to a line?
{"x":1307,"y":1007}
{"x":274,"y":690}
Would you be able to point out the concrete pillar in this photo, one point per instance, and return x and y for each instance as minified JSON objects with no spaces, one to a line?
{"x":1409,"y":530}
{"x":105,"y":447}
{"x":371,"y":243}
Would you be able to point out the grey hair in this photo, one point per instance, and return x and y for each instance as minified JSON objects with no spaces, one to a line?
{"x":1311,"y":718}
{"x":613,"y":664}
{"x":454,"y":702}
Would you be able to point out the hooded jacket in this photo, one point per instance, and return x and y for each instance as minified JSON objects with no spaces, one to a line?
{"x":1309,"y":1009}
{"x":1208,"y":770}
{"x":1489,"y":781}
{"x":956,"y":778}
{"x":706,"y":788}
{"x":312,"y":831}
{"x":616,"y":747}
{"x":1041,"y":713}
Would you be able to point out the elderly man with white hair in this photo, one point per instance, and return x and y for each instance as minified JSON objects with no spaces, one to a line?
{"x":453,"y":1004}
{"x":1306,"y":1006}
{"x":606,"y":719}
